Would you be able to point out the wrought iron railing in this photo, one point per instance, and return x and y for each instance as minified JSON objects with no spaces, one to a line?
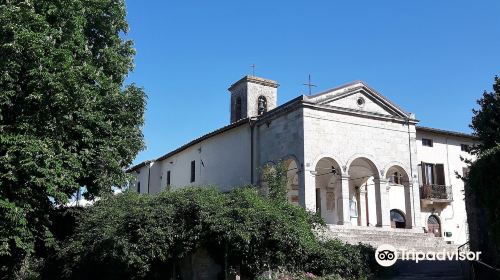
{"x":440,"y":192}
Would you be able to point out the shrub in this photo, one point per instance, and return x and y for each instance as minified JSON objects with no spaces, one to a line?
{"x":338,"y":258}
{"x":139,"y":236}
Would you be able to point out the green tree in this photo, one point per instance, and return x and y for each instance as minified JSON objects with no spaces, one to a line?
{"x":66,"y":118}
{"x":486,"y":120}
{"x":483,"y":180}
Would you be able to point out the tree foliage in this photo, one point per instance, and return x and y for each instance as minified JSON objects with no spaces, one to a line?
{"x":132,"y":236}
{"x":275,"y":179}
{"x":483,"y":178}
{"x":486,"y":120}
{"x":66,"y":118}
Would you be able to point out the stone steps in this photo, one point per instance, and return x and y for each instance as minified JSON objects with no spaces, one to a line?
{"x":399,"y":238}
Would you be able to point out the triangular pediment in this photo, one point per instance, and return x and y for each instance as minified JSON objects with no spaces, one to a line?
{"x":358,"y":97}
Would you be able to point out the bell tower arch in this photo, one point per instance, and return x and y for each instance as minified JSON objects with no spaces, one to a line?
{"x":252,"y":96}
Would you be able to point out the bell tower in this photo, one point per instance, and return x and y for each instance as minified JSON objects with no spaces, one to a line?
{"x":252,"y":96}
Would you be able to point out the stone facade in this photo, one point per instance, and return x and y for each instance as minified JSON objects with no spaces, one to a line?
{"x":352,"y":155}
{"x":245,"y":94}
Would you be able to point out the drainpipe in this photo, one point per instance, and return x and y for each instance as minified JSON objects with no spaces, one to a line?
{"x":149,"y":173}
{"x":251,"y":151}
{"x":411,"y":171}
{"x":449,"y":178}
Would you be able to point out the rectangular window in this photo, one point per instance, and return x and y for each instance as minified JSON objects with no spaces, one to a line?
{"x":139,"y":187}
{"x":168,"y":178}
{"x":433,"y":174}
{"x":464,"y":147}
{"x":193,"y":173}
{"x":427,"y":142}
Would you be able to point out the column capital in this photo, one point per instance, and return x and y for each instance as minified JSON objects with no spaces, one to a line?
{"x":381,"y":180}
{"x":345,"y":176}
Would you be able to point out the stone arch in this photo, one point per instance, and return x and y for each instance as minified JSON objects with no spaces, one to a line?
{"x":400,"y":193}
{"x":367,"y":166}
{"x":367,"y":157}
{"x":398,"y":218}
{"x":404,"y":178}
{"x":261,"y":105}
{"x":290,"y":157}
{"x":293,"y":168}
{"x":398,"y":164}
{"x":333,"y":158}
{"x":364,"y":191}
{"x":434,"y":225}
{"x":327,"y":177}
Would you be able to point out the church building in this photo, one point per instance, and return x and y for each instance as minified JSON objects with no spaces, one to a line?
{"x":352,"y":155}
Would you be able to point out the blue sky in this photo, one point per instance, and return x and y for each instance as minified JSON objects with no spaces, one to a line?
{"x":433,"y":58}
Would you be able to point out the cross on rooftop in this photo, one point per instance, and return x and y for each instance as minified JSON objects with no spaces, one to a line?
{"x":309,"y":84}
{"x":253,"y":69}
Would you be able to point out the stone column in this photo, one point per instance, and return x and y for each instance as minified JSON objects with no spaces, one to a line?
{"x":410,"y":221}
{"x":307,"y":190}
{"x":382,"y":197}
{"x":362,"y":206}
{"x":343,"y":202}
{"x":415,"y":191}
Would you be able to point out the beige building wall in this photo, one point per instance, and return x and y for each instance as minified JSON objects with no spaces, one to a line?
{"x":446,"y":150}
{"x":222,"y":160}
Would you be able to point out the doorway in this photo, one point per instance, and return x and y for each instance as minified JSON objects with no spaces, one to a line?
{"x":434,"y":226}
{"x":397,"y":219}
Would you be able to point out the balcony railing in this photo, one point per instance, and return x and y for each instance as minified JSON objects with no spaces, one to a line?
{"x":436,"y":193}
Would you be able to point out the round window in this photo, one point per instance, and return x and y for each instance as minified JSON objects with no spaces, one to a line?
{"x":361,"y":101}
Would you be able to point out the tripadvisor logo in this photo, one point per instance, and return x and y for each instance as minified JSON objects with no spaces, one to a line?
{"x":386,"y":255}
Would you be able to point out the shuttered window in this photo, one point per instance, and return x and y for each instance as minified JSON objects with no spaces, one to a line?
{"x":440,"y":174}
{"x":432,"y":174}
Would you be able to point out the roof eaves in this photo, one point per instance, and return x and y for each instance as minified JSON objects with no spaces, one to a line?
{"x":139,"y":165}
{"x":447,"y":132}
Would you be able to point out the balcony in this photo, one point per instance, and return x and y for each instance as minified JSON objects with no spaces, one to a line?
{"x":436,"y":193}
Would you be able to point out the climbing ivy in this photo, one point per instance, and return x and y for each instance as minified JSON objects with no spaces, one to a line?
{"x":133,"y":236}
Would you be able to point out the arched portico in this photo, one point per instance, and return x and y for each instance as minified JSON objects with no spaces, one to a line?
{"x":328,"y":185}
{"x":292,"y":182}
{"x":400,"y":195}
{"x":369,"y":194}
